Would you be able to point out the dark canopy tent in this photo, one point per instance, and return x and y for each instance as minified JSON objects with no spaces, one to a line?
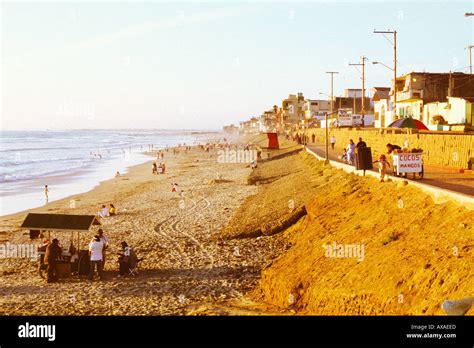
{"x":71,"y":224}
{"x":59,"y":222}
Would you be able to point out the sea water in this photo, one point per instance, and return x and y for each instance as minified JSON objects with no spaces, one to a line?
{"x":71,"y":162}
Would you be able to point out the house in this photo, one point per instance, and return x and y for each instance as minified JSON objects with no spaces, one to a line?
{"x":292,"y":111}
{"x":382,"y":106}
{"x":266,"y":122}
{"x":455,"y":111}
{"x":352,"y":93}
{"x":416,"y":89}
{"x":315,"y":110}
{"x":231,"y":129}
{"x":250,"y":126}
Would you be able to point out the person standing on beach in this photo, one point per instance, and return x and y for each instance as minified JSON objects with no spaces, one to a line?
{"x":53,"y":252}
{"x":46,"y":193}
{"x":105,"y":241}
{"x":96,"y":249}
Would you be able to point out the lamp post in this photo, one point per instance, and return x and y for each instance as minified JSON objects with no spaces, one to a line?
{"x":394,"y":32}
{"x":332,"y":111}
{"x":362,"y":111}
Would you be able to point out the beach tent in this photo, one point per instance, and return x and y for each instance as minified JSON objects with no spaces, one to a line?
{"x":273,"y":141}
{"x":58,"y":222}
{"x":38,"y":223}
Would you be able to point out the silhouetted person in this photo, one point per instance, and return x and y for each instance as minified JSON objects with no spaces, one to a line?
{"x":53,"y":252}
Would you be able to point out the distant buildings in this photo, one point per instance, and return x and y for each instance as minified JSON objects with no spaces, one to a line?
{"x":416,"y":89}
{"x":442,"y":101}
{"x":231,"y":129}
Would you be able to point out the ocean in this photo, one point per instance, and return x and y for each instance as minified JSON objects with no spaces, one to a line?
{"x":75,"y":161}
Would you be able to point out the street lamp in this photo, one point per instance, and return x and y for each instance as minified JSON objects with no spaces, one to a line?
{"x":380,"y":63}
{"x":394,"y":32}
{"x":332,"y":111}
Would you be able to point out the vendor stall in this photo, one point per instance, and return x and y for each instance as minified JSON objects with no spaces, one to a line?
{"x":408,"y":162}
{"x":73,"y":258}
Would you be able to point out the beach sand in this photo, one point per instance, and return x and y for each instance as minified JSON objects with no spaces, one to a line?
{"x":185,"y":268}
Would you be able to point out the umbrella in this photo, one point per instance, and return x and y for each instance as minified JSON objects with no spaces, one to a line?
{"x":408,"y":123}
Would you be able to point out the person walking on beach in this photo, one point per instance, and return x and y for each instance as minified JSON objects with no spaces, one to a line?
{"x":332,"y":141}
{"x":53,"y":252}
{"x":96,"y":249}
{"x":351,"y":152}
{"x":46,"y":193}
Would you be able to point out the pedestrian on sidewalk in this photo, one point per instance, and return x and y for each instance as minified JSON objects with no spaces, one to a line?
{"x":351,"y":152}
{"x":332,"y":141}
{"x":313,"y":137}
{"x":383,"y":164}
{"x":361,"y":143}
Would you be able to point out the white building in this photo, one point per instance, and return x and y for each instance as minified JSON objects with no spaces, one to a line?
{"x":456,"y":111}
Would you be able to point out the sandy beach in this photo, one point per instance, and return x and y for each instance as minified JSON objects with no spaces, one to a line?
{"x":185,"y":266}
{"x":252,"y":242}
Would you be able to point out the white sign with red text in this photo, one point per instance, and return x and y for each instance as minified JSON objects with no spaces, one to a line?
{"x":408,"y":162}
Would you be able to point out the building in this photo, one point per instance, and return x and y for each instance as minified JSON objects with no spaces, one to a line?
{"x":382,"y":107}
{"x":250,"y":126}
{"x":416,"y":89}
{"x":231,"y":129}
{"x":456,"y":113}
{"x":292,"y":111}
{"x":315,"y":110}
{"x":266,"y":122}
{"x":352,"y":93}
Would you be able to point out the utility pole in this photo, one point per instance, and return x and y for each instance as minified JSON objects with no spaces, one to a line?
{"x":394,"y":32}
{"x":363,"y":58}
{"x":470,"y":47}
{"x":332,"y":112}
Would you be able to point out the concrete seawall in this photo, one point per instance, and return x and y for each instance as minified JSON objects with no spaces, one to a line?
{"x":452,"y":150}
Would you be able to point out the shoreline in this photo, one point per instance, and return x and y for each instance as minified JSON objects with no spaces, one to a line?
{"x":61,"y":186}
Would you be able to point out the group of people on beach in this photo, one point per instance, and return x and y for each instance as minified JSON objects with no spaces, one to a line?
{"x":96,"y":252}
{"x":105,"y":211}
{"x":160,"y":169}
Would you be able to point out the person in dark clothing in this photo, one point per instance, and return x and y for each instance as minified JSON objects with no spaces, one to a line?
{"x":361,"y":144}
{"x":53,"y":252}
{"x":313,"y":137}
{"x":392,"y":147}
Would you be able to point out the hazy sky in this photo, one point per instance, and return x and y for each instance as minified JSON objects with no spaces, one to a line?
{"x":202,"y":65}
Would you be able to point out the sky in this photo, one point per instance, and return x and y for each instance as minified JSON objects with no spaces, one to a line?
{"x":202,"y":65}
